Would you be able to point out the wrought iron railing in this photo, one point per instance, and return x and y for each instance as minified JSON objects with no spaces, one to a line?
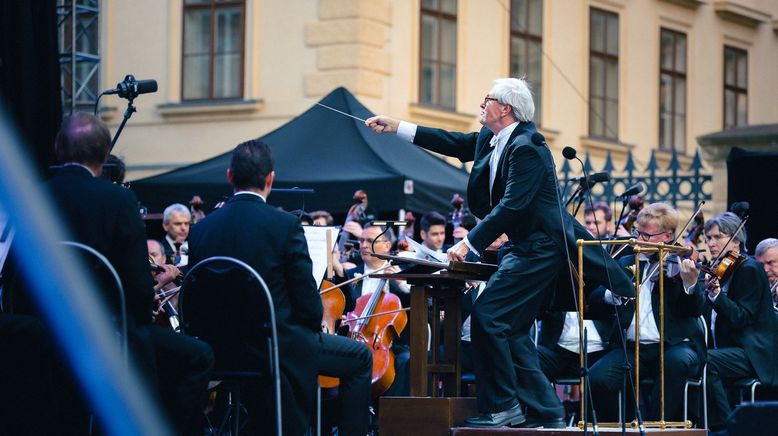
{"x":675,"y":185}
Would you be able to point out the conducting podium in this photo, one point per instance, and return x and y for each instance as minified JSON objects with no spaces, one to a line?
{"x":434,"y":404}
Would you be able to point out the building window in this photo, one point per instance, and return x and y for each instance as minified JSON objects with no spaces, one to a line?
{"x":672,"y":91}
{"x":438,"y":53}
{"x":526,"y":45}
{"x":212,"y":66}
{"x":603,"y":74}
{"x":735,"y":87}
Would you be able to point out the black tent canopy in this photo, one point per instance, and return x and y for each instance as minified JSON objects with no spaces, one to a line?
{"x":332,"y":154}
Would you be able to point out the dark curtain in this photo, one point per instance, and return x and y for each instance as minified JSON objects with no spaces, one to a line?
{"x":751,"y":178}
{"x":29,"y":74}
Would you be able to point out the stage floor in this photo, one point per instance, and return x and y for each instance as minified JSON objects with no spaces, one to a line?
{"x":462,"y":431}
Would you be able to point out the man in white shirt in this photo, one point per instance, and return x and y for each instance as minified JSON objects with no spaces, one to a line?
{"x":683,"y":338}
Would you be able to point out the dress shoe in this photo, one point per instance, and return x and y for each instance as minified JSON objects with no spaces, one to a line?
{"x":511,"y":417}
{"x":535,"y":422}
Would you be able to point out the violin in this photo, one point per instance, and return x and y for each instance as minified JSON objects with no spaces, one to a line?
{"x":635,"y":205}
{"x":165,"y":304}
{"x":376,"y":321}
{"x":196,"y":210}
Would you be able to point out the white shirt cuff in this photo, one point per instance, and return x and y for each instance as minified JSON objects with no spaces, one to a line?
{"x":690,"y":289}
{"x":470,"y":246}
{"x":713,"y":299}
{"x":406,"y":131}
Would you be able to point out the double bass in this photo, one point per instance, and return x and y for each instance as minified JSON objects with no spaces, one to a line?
{"x":377,"y":320}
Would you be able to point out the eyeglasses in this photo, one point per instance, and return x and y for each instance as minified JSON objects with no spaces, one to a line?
{"x":370,"y":240}
{"x":487,"y":99}
{"x":643,"y":235}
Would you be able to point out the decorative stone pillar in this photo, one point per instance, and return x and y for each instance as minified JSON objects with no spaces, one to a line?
{"x":350,"y":38}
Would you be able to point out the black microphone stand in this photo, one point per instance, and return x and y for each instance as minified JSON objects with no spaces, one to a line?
{"x":584,"y":371}
{"x":127,"y":114}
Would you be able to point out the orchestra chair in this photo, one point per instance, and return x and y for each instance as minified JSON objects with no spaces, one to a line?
{"x":224,"y":302}
{"x":698,"y":383}
{"x":107,"y":279}
{"x":751,"y":383}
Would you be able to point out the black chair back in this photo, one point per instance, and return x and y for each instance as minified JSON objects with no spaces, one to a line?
{"x":224,"y":302}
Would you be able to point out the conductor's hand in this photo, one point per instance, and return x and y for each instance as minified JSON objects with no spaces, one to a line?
{"x":382,"y":124}
{"x":458,"y":251}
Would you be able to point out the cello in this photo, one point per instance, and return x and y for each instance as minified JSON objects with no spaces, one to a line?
{"x":377,"y":320}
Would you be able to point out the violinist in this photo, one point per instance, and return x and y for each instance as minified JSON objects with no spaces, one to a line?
{"x":240,"y":229}
{"x":684,"y":343}
{"x":766,"y":253}
{"x":743,"y":330}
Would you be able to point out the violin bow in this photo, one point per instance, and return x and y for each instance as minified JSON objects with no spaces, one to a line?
{"x":355,"y":279}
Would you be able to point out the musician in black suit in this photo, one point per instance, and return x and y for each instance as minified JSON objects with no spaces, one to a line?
{"x":683,"y":338}
{"x":273,"y":243}
{"x":105,"y":217}
{"x":744,"y":333}
{"x":512,"y":188}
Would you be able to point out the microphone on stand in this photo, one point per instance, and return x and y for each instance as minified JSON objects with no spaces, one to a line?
{"x":635,"y":189}
{"x":130,"y":88}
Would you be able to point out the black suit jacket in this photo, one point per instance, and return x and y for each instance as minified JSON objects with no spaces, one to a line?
{"x":682,"y":311}
{"x":273,"y":243}
{"x":105,"y":217}
{"x":745,"y":318}
{"x":524,"y":202}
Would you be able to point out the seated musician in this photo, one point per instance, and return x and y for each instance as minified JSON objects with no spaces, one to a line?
{"x":240,"y":229}
{"x":766,"y":253}
{"x":368,"y":285}
{"x":175,"y":221}
{"x":322,"y":218}
{"x":683,"y":341}
{"x":743,"y":330}
{"x":105,"y":217}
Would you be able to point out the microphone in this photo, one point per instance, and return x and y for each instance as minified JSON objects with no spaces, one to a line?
{"x":595,"y":178}
{"x":635,"y":189}
{"x":569,"y":153}
{"x":131,"y":88}
{"x":740,"y":208}
{"x":385,"y":223}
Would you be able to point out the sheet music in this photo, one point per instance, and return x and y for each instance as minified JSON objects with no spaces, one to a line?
{"x":424,"y":253}
{"x":316,"y":236}
{"x":6,"y":236}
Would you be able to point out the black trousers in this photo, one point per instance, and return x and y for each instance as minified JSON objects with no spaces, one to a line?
{"x":724,"y":365}
{"x":607,"y":376}
{"x":352,"y":362}
{"x":557,"y":362}
{"x":27,"y":381}
{"x":505,"y":359}
{"x":183,"y":369}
